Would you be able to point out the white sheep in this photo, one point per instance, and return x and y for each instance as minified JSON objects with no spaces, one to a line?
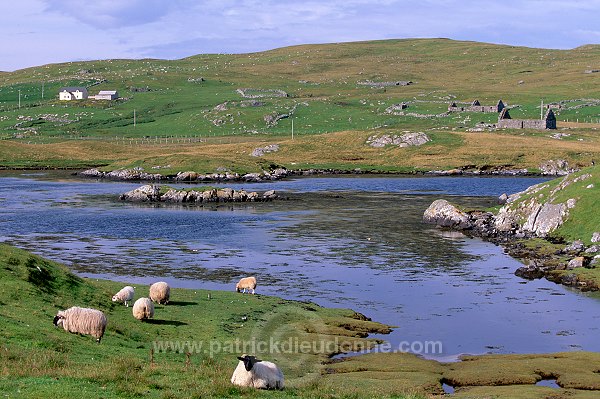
{"x":82,"y":321}
{"x":246,"y":283}
{"x":125,"y":295}
{"x":255,"y":373}
{"x":160,"y":292}
{"x":143,"y":309}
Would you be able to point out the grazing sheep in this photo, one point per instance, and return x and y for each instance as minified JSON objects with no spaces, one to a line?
{"x":143,"y":309}
{"x":251,"y":372}
{"x":125,"y":295}
{"x":246,"y":283}
{"x":82,"y":321}
{"x":160,"y":292}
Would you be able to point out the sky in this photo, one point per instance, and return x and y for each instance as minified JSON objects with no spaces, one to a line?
{"x":38,"y":32}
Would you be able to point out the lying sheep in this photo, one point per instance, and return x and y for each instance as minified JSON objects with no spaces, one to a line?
{"x":143,"y":309}
{"x":246,"y":283}
{"x":82,"y":321}
{"x":125,"y":295}
{"x":160,"y":292}
{"x":251,"y":372}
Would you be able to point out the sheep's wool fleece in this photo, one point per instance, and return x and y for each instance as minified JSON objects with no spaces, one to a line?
{"x":264,"y":375}
{"x":84,"y":321}
{"x":143,"y":309}
{"x":160,"y":292}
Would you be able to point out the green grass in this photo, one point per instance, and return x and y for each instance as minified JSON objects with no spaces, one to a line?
{"x":322,"y":83}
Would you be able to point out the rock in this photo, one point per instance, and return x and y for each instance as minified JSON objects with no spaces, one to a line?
{"x":502,"y":199}
{"x":571,"y":202}
{"x":253,"y":196}
{"x":576,"y":262}
{"x":405,"y":140}
{"x":569,"y":279}
{"x":444,"y":214}
{"x":186,"y":176}
{"x":593,"y":249}
{"x":596,"y":237}
{"x":590,"y":186}
{"x":530,"y":272}
{"x":558,"y":167}
{"x":146,"y":193}
{"x":269,"y":195}
{"x":575,"y":247}
{"x":225,"y":195}
{"x":92,"y":173}
{"x":545,"y":218}
{"x":174,"y":196}
{"x":259,"y":152}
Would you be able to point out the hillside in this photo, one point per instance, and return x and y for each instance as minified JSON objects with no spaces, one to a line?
{"x":209,"y":112}
{"x":188,"y":350}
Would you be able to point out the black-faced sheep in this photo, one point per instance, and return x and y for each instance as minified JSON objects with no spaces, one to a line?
{"x":246,"y":283}
{"x":125,"y":295}
{"x":160,"y":292}
{"x":82,"y":321}
{"x":251,"y":372}
{"x":143,"y":309}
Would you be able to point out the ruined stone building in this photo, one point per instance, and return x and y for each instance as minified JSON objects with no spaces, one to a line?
{"x":477,"y":107}
{"x":505,"y":121}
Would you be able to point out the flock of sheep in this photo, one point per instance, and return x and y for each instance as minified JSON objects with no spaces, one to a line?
{"x":250,"y":371}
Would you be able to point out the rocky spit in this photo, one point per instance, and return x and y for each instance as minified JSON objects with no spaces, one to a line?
{"x":523,"y":217}
{"x":152,"y":193}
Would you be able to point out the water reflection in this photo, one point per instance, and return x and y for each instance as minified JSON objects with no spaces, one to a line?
{"x":347,"y":242}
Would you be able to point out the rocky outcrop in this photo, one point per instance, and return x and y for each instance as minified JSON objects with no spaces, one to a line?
{"x":151,"y":193}
{"x":122,"y":174}
{"x":408,"y":139}
{"x":558,"y":167}
{"x":260,"y":151}
{"x":146,"y":193}
{"x":444,"y":214}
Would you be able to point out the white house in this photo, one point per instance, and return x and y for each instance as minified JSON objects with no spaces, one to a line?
{"x":72,"y":93}
{"x":107,"y":95}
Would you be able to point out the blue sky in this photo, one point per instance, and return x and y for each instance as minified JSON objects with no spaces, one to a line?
{"x":37,"y":32}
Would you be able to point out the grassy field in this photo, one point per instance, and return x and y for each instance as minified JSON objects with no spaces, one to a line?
{"x":189,"y":349}
{"x":190,"y":115}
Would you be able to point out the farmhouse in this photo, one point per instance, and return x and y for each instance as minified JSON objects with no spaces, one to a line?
{"x":72,"y":93}
{"x":477,"y":107}
{"x":505,"y":121}
{"x":106,"y":95}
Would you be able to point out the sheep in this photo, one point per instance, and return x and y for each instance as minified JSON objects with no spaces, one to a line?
{"x":160,"y":292}
{"x":143,"y":309}
{"x":125,"y":295}
{"x":83,"y":321}
{"x":252,"y":372}
{"x":246,"y":283}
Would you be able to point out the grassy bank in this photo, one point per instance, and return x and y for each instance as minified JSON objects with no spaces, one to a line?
{"x":189,"y":348}
{"x":39,"y":360}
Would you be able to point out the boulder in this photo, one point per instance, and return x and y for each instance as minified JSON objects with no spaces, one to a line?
{"x":596,"y":237}
{"x":576,"y":262}
{"x":575,"y":247}
{"x":146,"y":193}
{"x":444,"y":214}
{"x":545,"y":218}
{"x":269,"y":195}
{"x":174,"y":196}
{"x":186,"y":176}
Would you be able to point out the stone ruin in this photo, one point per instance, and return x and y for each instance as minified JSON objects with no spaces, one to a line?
{"x":477,"y":107}
{"x":505,"y":121}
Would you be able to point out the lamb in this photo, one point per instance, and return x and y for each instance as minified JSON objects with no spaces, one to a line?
{"x":160,"y":292}
{"x":246,"y":283}
{"x":252,"y":372}
{"x":143,"y":309}
{"x":82,"y":321}
{"x":125,"y":295}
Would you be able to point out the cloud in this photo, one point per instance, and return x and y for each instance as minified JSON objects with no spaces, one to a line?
{"x":111,"y":14}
